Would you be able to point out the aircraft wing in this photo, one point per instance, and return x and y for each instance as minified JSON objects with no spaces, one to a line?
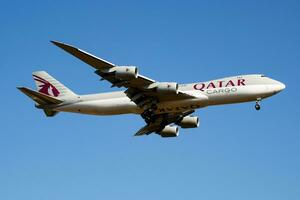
{"x":103,"y":67}
{"x":140,"y":89}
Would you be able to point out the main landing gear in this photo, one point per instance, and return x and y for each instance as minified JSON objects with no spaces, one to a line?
{"x":257,"y":104}
{"x":149,"y":114}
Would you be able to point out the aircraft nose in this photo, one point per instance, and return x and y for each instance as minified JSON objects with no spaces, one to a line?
{"x":279,"y":87}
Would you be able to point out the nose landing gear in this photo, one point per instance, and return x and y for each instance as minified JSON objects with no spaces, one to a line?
{"x":257,"y":104}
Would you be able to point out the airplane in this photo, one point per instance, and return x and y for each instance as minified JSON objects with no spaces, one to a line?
{"x":164,"y":106}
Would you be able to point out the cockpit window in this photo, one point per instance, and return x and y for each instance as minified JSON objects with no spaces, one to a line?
{"x":263,"y":75}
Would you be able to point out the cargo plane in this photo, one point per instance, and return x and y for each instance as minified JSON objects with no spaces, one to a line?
{"x":165,"y":106}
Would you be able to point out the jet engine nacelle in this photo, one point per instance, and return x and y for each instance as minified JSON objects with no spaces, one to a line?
{"x":189,"y":122}
{"x":167,"y":87}
{"x":169,"y":131}
{"x":126,"y":72}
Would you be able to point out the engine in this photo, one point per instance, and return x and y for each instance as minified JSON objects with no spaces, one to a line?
{"x":167,"y":87}
{"x":126,"y":72}
{"x":189,"y":122}
{"x":169,"y":131}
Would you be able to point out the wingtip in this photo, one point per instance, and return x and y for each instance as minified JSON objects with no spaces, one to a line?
{"x":62,"y":45}
{"x":57,"y":43}
{"x":20,"y":87}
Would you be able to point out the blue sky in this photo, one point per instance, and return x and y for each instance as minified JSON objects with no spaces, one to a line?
{"x":237,"y":153}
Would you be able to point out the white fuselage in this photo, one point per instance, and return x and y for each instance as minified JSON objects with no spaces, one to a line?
{"x":228,"y":90}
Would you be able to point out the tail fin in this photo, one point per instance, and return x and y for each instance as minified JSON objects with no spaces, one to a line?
{"x":48,"y":85}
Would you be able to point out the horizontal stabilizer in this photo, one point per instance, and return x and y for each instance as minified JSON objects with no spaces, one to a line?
{"x":38,"y":97}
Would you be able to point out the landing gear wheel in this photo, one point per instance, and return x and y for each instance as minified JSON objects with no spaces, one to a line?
{"x":257,"y":106}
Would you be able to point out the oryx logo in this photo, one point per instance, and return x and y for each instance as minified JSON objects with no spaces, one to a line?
{"x":45,"y":87}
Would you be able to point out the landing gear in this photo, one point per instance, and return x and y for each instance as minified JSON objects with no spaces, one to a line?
{"x":149,"y":114}
{"x":257,"y":104}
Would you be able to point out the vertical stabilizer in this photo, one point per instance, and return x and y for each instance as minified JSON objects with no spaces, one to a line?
{"x":48,"y":85}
